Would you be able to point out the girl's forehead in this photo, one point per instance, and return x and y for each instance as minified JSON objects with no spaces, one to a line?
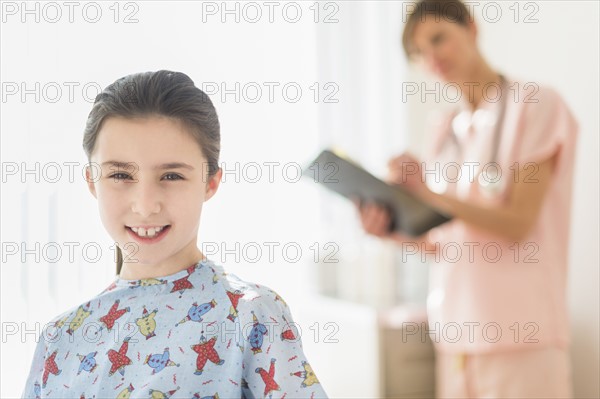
{"x":431,"y":24}
{"x":146,"y":131}
{"x":144,"y":124}
{"x":152,"y":136}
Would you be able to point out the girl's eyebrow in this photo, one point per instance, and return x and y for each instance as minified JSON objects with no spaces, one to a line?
{"x":175,"y":165}
{"x":118,"y":164}
{"x":169,"y":165}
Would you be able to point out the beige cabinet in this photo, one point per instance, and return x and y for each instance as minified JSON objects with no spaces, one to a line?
{"x":406,"y":355}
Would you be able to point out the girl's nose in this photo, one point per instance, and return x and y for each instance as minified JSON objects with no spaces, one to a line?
{"x":146,"y":200}
{"x":432,"y":61}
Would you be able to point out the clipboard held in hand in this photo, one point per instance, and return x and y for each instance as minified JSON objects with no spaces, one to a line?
{"x":347,"y":178}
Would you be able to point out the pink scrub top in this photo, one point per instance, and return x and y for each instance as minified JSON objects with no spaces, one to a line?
{"x":487,"y":293}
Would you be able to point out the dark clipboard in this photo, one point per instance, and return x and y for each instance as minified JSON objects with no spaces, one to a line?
{"x":340,"y":174}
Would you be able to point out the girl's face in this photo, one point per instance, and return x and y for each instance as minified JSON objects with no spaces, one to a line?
{"x":162,"y":181}
{"x":445,"y":48}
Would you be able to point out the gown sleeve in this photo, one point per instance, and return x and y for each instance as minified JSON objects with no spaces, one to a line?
{"x":34,"y":382}
{"x":274,"y":361}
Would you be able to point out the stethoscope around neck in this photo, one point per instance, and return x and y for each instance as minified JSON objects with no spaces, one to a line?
{"x":489,"y":177}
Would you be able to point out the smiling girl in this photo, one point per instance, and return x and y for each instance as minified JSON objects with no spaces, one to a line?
{"x":172,"y":323}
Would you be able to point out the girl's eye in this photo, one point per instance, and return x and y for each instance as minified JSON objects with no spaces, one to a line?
{"x":175,"y":176}
{"x":118,"y":176}
{"x":437,"y":39}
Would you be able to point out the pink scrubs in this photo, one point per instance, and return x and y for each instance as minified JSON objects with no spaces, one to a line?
{"x":498,"y":308}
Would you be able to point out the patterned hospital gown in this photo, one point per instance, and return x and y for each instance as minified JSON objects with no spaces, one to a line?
{"x":199,"y":333}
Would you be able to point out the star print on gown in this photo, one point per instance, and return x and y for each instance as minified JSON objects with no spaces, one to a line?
{"x":206,"y":351}
{"x":183,"y":283}
{"x":112,"y":315}
{"x":217,"y":341}
{"x":119,"y":359}
{"x":50,"y":367}
{"x":269,"y":378}
{"x":234,"y":297}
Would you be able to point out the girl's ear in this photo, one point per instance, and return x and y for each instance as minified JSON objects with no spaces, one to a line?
{"x":473,"y":30}
{"x":213,"y":184}
{"x":89,"y":178}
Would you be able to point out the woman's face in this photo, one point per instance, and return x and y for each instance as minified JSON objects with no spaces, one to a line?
{"x":445,"y":48}
{"x":163,"y":183}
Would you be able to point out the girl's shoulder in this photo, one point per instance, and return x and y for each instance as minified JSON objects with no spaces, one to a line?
{"x":64,"y":324}
{"x":250,"y":296}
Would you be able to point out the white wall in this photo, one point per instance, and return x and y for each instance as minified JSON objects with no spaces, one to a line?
{"x":560,"y":50}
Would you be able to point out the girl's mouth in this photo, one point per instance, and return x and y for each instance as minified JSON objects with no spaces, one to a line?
{"x":147,"y":238}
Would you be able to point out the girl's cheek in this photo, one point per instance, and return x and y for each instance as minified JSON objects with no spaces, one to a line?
{"x":449,"y":49}
{"x":112,"y":196}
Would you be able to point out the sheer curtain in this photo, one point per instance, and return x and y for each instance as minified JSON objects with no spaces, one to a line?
{"x":363,"y":54}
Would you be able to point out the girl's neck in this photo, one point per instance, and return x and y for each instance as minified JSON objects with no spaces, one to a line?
{"x":177,"y":263}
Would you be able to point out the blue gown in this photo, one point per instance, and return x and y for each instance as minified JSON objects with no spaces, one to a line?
{"x":199,"y":333}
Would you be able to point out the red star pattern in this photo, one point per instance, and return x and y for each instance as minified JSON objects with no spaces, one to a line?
{"x":183,"y":283}
{"x":269,"y":378}
{"x":119,"y":359}
{"x":206,"y":351}
{"x":234,"y":298}
{"x":50,"y":366}
{"x":113,"y":314}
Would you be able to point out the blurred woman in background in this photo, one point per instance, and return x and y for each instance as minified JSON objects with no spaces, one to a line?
{"x":501,"y":164}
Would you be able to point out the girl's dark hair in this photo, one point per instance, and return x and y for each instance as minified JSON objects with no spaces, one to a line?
{"x":450,"y":10}
{"x":162,"y":93}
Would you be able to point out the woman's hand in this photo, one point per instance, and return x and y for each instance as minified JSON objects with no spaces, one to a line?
{"x":375,"y":218}
{"x":405,"y":170}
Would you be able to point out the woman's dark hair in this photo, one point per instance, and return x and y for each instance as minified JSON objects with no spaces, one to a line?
{"x":450,"y":10}
{"x":162,"y":93}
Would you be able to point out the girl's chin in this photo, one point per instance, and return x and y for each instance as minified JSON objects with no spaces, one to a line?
{"x":447,"y":76}
{"x":147,"y":255}
{"x":135,"y":253}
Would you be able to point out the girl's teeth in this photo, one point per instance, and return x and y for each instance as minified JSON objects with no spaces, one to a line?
{"x":142,"y":232}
